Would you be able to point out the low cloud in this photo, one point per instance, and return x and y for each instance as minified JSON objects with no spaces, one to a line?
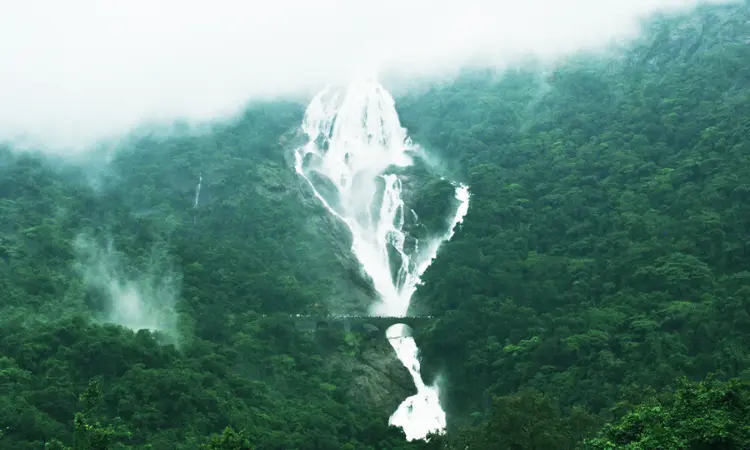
{"x":75,"y":71}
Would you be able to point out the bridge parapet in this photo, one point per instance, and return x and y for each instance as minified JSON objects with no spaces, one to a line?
{"x":312,"y":324}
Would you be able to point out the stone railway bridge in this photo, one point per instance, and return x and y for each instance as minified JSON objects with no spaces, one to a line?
{"x":366,"y":324}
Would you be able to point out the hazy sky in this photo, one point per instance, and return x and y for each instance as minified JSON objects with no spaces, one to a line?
{"x":75,"y":70}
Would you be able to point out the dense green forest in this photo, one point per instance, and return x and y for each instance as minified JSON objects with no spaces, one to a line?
{"x":597,"y":296}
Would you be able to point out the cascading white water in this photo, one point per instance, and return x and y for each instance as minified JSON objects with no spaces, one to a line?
{"x":198,"y":190}
{"x":355,"y":137}
{"x":197,"y":195}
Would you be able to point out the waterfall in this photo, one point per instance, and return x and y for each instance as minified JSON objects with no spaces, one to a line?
{"x":355,"y":140}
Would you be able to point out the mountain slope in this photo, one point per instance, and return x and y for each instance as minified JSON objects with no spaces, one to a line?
{"x":85,"y":245}
{"x":606,"y":246}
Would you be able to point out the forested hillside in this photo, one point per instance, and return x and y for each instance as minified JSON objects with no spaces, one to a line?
{"x":606,"y":249}
{"x":225,"y":274}
{"x":596,"y":296}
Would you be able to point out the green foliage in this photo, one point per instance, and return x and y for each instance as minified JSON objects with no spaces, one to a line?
{"x":249,"y":255}
{"x":703,"y":415}
{"x":526,"y":420}
{"x":604,"y":256}
{"x":229,"y":440}
{"x":606,"y":239}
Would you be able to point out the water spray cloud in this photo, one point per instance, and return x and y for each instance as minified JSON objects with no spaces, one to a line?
{"x":141,"y":301}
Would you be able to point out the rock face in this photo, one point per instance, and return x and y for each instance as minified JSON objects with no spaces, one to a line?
{"x":380,"y":378}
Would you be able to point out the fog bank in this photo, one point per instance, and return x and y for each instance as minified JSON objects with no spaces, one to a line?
{"x":75,"y":71}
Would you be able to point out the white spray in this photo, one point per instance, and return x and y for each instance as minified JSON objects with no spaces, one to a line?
{"x":355,"y":137}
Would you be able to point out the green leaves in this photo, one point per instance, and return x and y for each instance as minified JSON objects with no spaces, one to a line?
{"x":708,"y":414}
{"x":229,"y":440}
{"x":612,"y":208}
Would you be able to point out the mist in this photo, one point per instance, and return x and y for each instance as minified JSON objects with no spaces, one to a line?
{"x":136,"y":295}
{"x":75,"y":72}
